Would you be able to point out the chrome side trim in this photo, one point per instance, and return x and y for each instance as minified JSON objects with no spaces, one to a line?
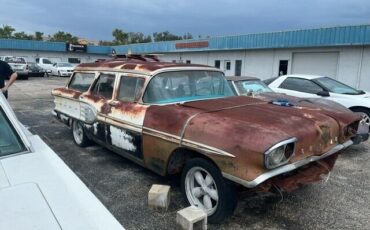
{"x":185,"y":142}
{"x":286,"y":168}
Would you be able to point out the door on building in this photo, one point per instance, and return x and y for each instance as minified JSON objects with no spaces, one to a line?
{"x":283,"y":67}
{"x":227,"y":68}
{"x":238,"y":67}
{"x":316,"y":63}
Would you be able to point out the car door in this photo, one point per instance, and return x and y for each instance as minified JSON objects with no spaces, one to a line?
{"x":299,"y":87}
{"x":97,"y":98}
{"x":125,"y":117}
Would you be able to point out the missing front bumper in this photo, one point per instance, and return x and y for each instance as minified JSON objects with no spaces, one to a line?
{"x":286,"y":168}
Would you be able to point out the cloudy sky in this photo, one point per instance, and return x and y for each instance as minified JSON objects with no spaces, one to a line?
{"x":95,"y":19}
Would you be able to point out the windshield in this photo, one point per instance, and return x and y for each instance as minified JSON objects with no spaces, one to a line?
{"x":251,"y":87}
{"x":64,"y":65}
{"x":10,"y":142}
{"x":337,"y":87}
{"x":180,"y":86}
{"x":15,"y":60}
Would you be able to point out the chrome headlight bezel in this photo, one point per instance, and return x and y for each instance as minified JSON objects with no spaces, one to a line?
{"x":285,"y":149}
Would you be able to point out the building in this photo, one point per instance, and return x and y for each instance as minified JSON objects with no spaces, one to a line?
{"x":341,"y":52}
{"x":54,"y":51}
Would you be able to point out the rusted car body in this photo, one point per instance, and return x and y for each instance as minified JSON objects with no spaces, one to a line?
{"x":236,"y":136}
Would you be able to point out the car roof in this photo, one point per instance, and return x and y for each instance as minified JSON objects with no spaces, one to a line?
{"x":304,"y":76}
{"x":142,"y":65}
{"x":242,"y":78}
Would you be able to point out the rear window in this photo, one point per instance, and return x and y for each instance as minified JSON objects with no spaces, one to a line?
{"x":81,"y":81}
{"x":15,"y":60}
{"x":10,"y":143}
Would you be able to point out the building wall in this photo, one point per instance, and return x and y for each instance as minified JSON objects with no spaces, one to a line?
{"x":353,"y":67}
{"x":30,"y":56}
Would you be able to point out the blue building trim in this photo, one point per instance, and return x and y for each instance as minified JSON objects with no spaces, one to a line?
{"x":323,"y":37}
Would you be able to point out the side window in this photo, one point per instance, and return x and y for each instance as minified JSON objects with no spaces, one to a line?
{"x":81,"y":81}
{"x":130,"y":88}
{"x":46,"y":61}
{"x":301,"y":85}
{"x":104,"y":86}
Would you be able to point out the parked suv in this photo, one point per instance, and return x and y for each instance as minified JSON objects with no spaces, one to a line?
{"x":184,"y":118}
{"x":19,"y":65}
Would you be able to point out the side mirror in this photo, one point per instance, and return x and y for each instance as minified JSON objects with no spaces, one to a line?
{"x":323,"y":94}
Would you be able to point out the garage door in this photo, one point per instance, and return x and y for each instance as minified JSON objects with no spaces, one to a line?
{"x":316,"y":63}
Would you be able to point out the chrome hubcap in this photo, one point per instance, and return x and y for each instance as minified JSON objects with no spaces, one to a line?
{"x":365,"y":119}
{"x":201,"y":190}
{"x":77,"y":132}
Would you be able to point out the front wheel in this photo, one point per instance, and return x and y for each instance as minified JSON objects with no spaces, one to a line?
{"x":79,"y":135}
{"x":204,"y":187}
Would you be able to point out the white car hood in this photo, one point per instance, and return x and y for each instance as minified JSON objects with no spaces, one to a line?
{"x":39,"y":191}
{"x":65,"y":68}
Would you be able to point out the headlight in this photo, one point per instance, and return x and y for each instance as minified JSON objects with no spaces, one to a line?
{"x":280,"y":153}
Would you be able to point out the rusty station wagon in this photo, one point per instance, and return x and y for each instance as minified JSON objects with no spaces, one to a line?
{"x":184,"y":118}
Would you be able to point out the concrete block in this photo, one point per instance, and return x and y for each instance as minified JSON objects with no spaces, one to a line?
{"x":159,"y":196}
{"x":191,"y":218}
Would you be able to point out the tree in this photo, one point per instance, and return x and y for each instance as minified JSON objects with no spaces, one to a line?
{"x":188,"y":36}
{"x":120,"y":37}
{"x":22,"y":35}
{"x":6,"y":31}
{"x":38,"y":36}
{"x":61,"y":36}
{"x":165,"y":36}
{"x":138,"y":37}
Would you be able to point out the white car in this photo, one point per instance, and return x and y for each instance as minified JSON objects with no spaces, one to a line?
{"x":62,"y":69}
{"x":313,"y":86}
{"x":45,"y":63}
{"x":37,"y":189}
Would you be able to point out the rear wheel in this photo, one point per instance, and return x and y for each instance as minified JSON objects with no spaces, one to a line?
{"x":204,"y":187}
{"x":79,"y":135}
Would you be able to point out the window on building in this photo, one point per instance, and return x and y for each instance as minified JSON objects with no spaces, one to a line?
{"x":238,"y":67}
{"x":301,"y":85}
{"x":173,"y":61}
{"x":104,"y":86}
{"x":217,"y":63}
{"x":228,"y":65}
{"x":130,"y":89}
{"x":81,"y":81}
{"x":283,"y":67}
{"x":188,"y":62}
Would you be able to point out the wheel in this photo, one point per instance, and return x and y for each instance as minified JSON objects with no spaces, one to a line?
{"x":79,"y":135}
{"x":59,"y":75}
{"x":203,"y":186}
{"x":366,"y":112}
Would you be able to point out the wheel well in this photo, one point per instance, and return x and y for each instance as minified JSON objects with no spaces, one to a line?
{"x":359,"y":107}
{"x":179,"y":157}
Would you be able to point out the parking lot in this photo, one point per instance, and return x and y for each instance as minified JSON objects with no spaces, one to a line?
{"x":342,"y":202}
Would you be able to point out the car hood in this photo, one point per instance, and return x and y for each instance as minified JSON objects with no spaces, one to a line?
{"x":65,"y":68}
{"x":232,"y":124}
{"x":37,"y":190}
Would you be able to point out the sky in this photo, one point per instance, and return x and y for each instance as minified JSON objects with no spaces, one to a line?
{"x":96,"y":19}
